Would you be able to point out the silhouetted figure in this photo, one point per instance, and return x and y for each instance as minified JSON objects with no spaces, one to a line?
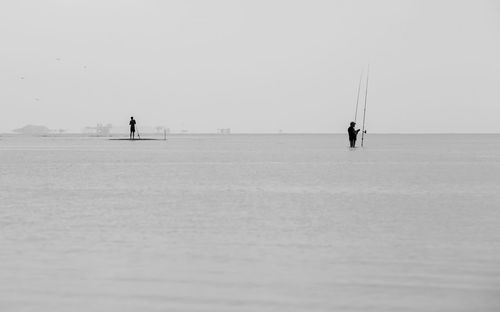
{"x":352,"y":134}
{"x":132,"y":128}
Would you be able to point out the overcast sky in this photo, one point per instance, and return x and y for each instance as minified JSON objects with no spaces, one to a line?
{"x":252,"y":66}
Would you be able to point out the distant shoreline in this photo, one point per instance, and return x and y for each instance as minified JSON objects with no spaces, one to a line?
{"x":122,"y":135}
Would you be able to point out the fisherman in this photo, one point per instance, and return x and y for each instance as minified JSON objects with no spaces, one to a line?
{"x":132,"y":128}
{"x":352,"y":134}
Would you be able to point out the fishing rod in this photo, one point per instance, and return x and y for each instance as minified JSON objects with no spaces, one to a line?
{"x":357,"y":99}
{"x":364,"y":111}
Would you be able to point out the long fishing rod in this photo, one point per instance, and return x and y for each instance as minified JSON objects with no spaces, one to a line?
{"x":357,"y":99}
{"x":364,"y":111}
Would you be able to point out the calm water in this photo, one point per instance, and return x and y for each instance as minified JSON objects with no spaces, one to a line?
{"x":250,"y":223}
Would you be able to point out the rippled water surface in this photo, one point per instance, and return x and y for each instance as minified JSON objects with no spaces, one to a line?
{"x":250,"y":223}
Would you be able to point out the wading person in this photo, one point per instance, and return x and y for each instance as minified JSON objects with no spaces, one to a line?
{"x":132,"y":128}
{"x":352,"y":134}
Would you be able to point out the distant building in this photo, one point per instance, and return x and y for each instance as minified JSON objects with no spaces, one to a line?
{"x":33,"y":130}
{"x":99,"y":130}
{"x":224,"y":131}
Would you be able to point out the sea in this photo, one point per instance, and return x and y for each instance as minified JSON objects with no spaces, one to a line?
{"x":283,"y":222}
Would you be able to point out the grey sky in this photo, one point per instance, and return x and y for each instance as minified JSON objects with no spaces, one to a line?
{"x":253,"y":66}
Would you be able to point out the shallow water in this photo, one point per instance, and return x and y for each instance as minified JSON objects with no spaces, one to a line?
{"x":250,"y":223}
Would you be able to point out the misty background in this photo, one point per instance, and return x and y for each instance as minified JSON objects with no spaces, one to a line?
{"x":252,"y":66}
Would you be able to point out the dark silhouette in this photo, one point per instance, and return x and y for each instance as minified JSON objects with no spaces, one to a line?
{"x":132,"y":128}
{"x":352,"y":134}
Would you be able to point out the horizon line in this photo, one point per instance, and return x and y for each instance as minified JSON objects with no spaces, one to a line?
{"x":245,"y":133}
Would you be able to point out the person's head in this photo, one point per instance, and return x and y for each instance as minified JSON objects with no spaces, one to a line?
{"x":131,"y":117}
{"x":353,"y":123}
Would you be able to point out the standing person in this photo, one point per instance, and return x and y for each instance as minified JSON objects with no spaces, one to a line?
{"x":132,"y":128}
{"x":352,"y":134}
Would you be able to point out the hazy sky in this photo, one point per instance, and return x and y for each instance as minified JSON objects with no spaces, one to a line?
{"x":253,"y":66}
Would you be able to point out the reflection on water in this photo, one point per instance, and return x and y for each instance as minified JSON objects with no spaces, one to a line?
{"x":250,"y":223}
